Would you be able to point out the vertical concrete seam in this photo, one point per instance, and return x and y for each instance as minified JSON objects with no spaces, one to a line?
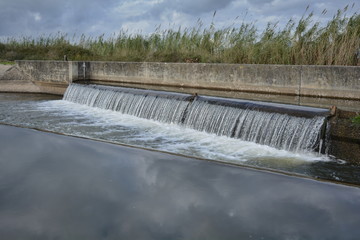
{"x":70,"y":73}
{"x":299,"y":85}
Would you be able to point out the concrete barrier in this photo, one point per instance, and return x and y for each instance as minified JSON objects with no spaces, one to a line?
{"x":317,"y":81}
{"x":330,"y":81}
{"x":249,"y":78}
{"x":39,"y":76}
{"x":341,"y":82}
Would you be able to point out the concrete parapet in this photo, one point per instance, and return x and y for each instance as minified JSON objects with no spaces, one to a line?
{"x":45,"y":71}
{"x":248,"y":78}
{"x":341,"y":82}
{"x":318,"y":81}
{"x":330,"y":81}
{"x":38,"y":77}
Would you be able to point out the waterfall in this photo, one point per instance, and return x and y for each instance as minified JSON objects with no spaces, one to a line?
{"x":273,"y":129}
{"x":144,"y":105}
{"x":222,"y":117}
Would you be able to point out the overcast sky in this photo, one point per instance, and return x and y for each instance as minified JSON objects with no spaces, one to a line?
{"x":96,"y":17}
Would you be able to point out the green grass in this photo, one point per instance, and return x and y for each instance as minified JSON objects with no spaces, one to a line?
{"x":7,"y":62}
{"x":336,"y":42}
{"x":356,"y":119}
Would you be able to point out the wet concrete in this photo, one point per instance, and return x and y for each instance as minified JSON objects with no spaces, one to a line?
{"x":320,"y":102}
{"x":59,"y":187}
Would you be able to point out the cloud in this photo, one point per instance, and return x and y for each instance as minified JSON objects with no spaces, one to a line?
{"x":92,"y":17}
{"x":196,"y":7}
{"x":42,"y":16}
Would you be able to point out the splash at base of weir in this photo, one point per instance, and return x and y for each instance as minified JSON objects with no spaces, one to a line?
{"x":275,"y":125}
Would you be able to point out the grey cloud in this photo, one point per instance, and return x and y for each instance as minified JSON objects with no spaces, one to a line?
{"x":201,"y":6}
{"x":288,"y":8}
{"x":189,"y":6}
{"x":26,"y":17}
{"x":37,"y":17}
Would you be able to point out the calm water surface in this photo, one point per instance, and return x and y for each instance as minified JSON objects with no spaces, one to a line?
{"x":60,"y":187}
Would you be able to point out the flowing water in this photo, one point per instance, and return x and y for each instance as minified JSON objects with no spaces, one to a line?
{"x":183,"y":125}
{"x":281,"y":131}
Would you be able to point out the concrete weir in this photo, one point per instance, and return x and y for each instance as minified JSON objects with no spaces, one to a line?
{"x":334,"y":83}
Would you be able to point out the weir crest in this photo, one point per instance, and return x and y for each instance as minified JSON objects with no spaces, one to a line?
{"x":280,"y":126}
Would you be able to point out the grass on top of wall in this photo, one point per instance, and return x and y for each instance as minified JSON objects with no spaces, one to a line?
{"x":304,"y":42}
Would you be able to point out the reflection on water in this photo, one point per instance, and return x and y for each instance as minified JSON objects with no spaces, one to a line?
{"x":58,"y":187}
{"x":69,"y":118}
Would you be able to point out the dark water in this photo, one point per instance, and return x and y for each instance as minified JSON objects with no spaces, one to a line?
{"x":59,"y":187}
{"x":50,"y":113}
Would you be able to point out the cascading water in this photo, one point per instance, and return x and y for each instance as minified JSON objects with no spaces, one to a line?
{"x":169,"y":110}
{"x":274,"y":129}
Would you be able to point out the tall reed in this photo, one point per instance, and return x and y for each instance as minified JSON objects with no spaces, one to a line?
{"x":336,"y":42}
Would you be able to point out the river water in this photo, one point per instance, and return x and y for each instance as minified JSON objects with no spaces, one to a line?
{"x":50,"y":113}
{"x":61,"y":187}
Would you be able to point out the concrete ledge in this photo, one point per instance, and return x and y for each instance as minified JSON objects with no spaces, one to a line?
{"x":22,"y":86}
{"x":19,"y":86}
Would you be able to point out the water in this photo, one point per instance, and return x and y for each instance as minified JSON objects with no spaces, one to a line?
{"x":281,"y":131}
{"x":105,"y":124}
{"x":60,"y":187}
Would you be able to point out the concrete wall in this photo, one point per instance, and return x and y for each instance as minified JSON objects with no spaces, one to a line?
{"x":330,"y":81}
{"x":250,"y":78}
{"x":318,"y":81}
{"x":39,"y":77}
{"x":345,"y":137}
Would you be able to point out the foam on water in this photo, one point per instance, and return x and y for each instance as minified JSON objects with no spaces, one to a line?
{"x":114,"y":126}
{"x":91,"y":122}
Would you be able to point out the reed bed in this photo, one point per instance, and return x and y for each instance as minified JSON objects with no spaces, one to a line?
{"x":304,"y":42}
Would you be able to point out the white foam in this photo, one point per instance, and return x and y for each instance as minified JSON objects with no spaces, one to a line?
{"x":114,"y":126}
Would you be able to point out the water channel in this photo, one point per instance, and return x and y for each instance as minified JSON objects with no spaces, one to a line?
{"x":51,"y":113}
{"x":192,"y":184}
{"x":61,"y":187}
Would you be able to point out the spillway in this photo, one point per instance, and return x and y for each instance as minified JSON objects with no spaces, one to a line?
{"x":287,"y":127}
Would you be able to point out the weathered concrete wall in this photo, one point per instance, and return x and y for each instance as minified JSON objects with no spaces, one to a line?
{"x":45,"y":71}
{"x":252,"y":78}
{"x":38,"y":77}
{"x":330,"y":81}
{"x":345,"y":137}
{"x":318,"y":81}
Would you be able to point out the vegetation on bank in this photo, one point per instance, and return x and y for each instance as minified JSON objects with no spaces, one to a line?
{"x":356,"y":119}
{"x":336,"y":42}
{"x":7,"y":62}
